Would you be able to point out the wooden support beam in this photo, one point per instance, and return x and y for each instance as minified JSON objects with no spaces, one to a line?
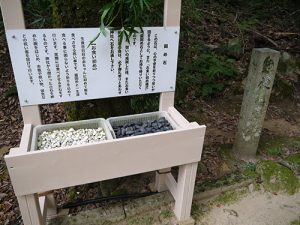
{"x":171,"y":184}
{"x":24,"y":210}
{"x":172,"y":10}
{"x":43,"y":207}
{"x":13,"y":18}
{"x":185,"y":191}
{"x":160,"y":178}
{"x":34,"y":209}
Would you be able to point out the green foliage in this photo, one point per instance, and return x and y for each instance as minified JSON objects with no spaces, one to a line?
{"x":274,"y":151}
{"x":248,"y":23}
{"x":295,"y":222}
{"x":228,"y":197}
{"x":294,"y":159}
{"x":12,"y":91}
{"x":145,"y":103}
{"x":204,"y":71}
{"x":249,"y":170}
{"x":274,"y":146}
{"x":126,"y":15}
{"x":277,"y":177}
{"x":39,"y":12}
{"x":167,"y":214}
{"x":228,"y":179}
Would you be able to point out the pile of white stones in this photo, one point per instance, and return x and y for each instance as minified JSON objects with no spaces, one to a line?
{"x":70,"y":137}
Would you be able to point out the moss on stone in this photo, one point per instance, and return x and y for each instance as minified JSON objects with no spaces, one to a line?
{"x":228,"y":179}
{"x":225,"y":152}
{"x":249,"y":170}
{"x":71,"y":194}
{"x":277,"y":178}
{"x":273,"y":146}
{"x":229,"y":197}
{"x":294,"y":159}
{"x":295,"y":222}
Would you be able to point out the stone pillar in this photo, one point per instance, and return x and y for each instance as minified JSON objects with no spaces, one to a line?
{"x":262,"y":69}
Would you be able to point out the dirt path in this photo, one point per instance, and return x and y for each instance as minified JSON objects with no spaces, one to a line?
{"x":257,"y":208}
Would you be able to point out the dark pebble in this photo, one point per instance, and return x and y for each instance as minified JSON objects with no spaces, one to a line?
{"x":140,"y":128}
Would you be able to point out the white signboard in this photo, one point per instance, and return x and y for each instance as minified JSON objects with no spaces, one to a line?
{"x":56,"y":65}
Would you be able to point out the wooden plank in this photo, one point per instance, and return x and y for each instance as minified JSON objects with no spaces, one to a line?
{"x":31,"y":115}
{"x":34,"y":209}
{"x":13,"y":18}
{"x":166,"y":100}
{"x":172,"y":185}
{"x":172,"y":10}
{"x":51,"y":205}
{"x":176,"y":116}
{"x":160,"y":176}
{"x":12,"y":14}
{"x":24,"y":210}
{"x":43,"y":207}
{"x":40,"y":171}
{"x":47,"y":205}
{"x":185,"y":190}
{"x":25,"y":141}
{"x":26,"y":137}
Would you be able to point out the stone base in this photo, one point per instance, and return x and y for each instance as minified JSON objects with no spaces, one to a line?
{"x":190,"y":221}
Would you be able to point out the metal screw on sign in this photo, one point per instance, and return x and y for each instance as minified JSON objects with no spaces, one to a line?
{"x":176,"y":32}
{"x":26,"y":101}
{"x":171,"y":87}
{"x":14,"y":37}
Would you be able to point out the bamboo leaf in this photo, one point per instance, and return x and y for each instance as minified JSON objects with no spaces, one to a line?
{"x":127,"y":36}
{"x":93,"y":40}
{"x":142,"y":5}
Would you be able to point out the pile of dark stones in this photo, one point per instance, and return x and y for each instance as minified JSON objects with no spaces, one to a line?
{"x":140,"y":128}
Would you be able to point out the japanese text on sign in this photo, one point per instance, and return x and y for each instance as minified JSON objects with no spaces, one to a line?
{"x":60,"y":65}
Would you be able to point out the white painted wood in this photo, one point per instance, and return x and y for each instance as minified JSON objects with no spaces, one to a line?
{"x":51,"y":205}
{"x":172,"y":185}
{"x":185,"y":190}
{"x":31,"y":115}
{"x":34,"y":209}
{"x":172,"y":10}
{"x":160,"y":180}
{"x":47,"y":205}
{"x":24,"y":210}
{"x":43,"y":207}
{"x":166,"y":100}
{"x":25,"y":141}
{"x":12,"y":14}
{"x":40,"y":171}
{"x":26,"y":137}
{"x":176,"y":116}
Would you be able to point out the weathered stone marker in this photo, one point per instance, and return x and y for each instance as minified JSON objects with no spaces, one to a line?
{"x":258,"y":88}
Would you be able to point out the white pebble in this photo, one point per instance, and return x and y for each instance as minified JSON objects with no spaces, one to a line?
{"x":69,"y":137}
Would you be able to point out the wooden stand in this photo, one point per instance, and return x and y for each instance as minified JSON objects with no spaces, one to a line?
{"x":35,"y":173}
